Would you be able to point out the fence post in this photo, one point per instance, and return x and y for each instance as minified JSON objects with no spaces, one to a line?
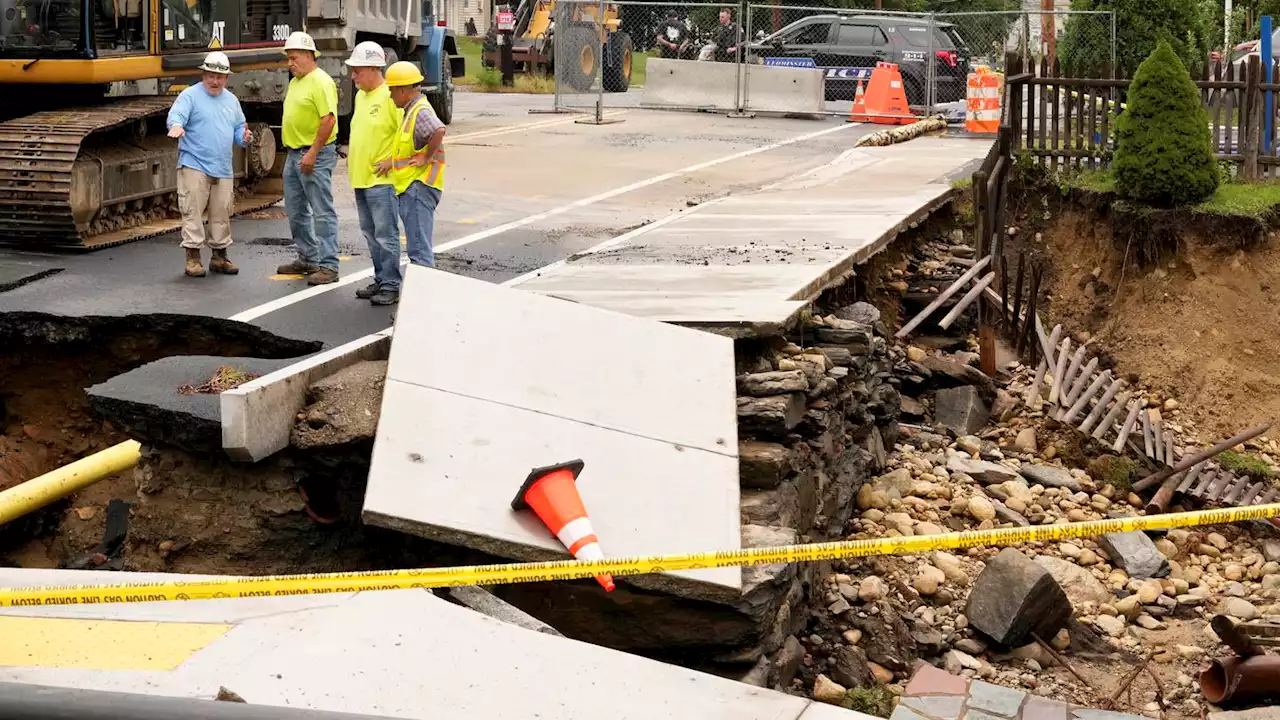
{"x":742,"y":89}
{"x":929,"y":62}
{"x":1251,"y":119}
{"x":980,"y":224}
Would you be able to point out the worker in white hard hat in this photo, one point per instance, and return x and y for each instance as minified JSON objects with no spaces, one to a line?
{"x":309,"y":131}
{"x":206,"y":119}
{"x":373,"y":131}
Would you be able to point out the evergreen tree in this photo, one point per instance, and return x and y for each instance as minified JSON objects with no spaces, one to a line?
{"x":1164,"y":154}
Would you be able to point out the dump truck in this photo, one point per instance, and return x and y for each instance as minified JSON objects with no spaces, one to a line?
{"x":84,"y":158}
{"x":589,"y":45}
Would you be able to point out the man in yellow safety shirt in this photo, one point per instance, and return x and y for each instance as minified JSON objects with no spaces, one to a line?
{"x":309,"y":130}
{"x":374,"y":124}
{"x":416,"y":166}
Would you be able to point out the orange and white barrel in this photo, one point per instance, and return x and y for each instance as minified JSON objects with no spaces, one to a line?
{"x":982,"y":114}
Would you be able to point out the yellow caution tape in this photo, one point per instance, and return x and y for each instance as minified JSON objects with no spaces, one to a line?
{"x":280,"y":585}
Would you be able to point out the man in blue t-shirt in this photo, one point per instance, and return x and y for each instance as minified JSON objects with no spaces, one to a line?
{"x":206,"y":119}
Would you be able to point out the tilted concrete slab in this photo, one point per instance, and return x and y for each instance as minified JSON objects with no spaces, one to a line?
{"x":488,"y":383}
{"x":257,"y":417}
{"x":398,"y":653}
{"x":733,"y":262}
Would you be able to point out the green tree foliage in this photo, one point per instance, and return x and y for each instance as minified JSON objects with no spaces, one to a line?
{"x":1164,"y":154}
{"x":1184,"y":24}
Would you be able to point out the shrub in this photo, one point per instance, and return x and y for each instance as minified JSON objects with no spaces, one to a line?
{"x":878,"y":701}
{"x":1164,"y":155}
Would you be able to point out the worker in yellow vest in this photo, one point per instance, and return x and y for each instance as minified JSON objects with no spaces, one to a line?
{"x":416,"y":166}
{"x":374,"y":124}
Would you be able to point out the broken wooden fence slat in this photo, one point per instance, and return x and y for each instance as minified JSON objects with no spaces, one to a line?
{"x":1101,"y":406}
{"x":1060,"y":370}
{"x":1112,"y":415}
{"x":1188,"y":462}
{"x":1128,"y":426}
{"x":1189,"y":479}
{"x":1081,"y":382}
{"x":1157,"y":436}
{"x":1252,"y":493}
{"x":966,"y":301}
{"x":1069,"y":378}
{"x":944,"y":296}
{"x":1087,"y":395}
{"x":1168,"y":449}
{"x":1047,"y":357}
{"x":1206,"y":482}
{"x":1148,"y":444}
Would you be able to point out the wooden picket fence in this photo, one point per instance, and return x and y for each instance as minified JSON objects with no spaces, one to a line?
{"x":1063,"y":122}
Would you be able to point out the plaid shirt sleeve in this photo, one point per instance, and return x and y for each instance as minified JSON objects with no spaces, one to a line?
{"x":426,"y":126}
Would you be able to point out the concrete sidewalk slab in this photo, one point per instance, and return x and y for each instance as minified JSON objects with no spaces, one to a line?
{"x":488,"y":383}
{"x":401,"y":653}
{"x":735,"y":263}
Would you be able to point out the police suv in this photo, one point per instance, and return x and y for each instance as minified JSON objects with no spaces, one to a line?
{"x":846,"y":47}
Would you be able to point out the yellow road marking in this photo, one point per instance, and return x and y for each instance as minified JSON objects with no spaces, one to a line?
{"x":287,"y":277}
{"x":101,"y":644}
{"x":468,"y":221}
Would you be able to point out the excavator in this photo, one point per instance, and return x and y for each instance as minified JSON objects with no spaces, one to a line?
{"x":585,"y":35}
{"x":86,"y":85}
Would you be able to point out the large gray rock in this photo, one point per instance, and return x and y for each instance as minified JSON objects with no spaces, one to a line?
{"x":1050,"y":476}
{"x":1014,"y":598}
{"x":886,"y":639}
{"x":987,"y":473}
{"x":949,"y":373}
{"x":1134,"y":553}
{"x":1079,"y":584}
{"x":849,"y":668}
{"x":960,"y":408}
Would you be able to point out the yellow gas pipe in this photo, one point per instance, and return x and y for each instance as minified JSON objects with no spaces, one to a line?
{"x":66,"y":480}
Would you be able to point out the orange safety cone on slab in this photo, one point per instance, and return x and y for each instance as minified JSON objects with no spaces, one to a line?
{"x":552,"y":493}
{"x":885,"y":99}
{"x":859,"y":108}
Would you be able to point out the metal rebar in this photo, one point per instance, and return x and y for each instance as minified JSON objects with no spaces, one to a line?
{"x":1188,"y":462}
{"x":966,"y":301}
{"x":944,"y":296}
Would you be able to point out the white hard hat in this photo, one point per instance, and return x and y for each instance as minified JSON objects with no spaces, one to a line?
{"x":217,"y":62}
{"x":301,"y":41}
{"x":367,"y":54}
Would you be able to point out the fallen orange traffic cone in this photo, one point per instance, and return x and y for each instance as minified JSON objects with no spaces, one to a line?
{"x":552,"y":493}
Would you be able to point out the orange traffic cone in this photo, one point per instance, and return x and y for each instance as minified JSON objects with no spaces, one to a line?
{"x":552,"y":493}
{"x":886,"y":98}
{"x":859,"y":109}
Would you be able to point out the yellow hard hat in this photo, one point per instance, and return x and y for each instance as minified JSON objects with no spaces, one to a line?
{"x":403,"y":74}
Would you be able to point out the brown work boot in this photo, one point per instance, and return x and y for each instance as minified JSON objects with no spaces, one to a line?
{"x":322,"y":276}
{"x":297,"y":267}
{"x":220,"y":263}
{"x":194,"y":268}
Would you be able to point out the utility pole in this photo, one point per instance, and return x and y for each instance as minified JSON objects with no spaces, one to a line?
{"x":1048,"y":30}
{"x":1226,"y":29}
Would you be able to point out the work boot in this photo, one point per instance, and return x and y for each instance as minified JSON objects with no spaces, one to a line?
{"x":297,"y":267}
{"x":385,"y":297}
{"x":220,"y":263}
{"x":322,"y":276}
{"x":194,"y":268}
{"x":367,"y":291}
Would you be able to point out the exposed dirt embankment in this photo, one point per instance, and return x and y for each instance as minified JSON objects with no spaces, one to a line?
{"x":1186,"y":303}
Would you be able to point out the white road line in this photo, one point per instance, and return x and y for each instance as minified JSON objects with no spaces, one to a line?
{"x":287,"y":300}
{"x":507,"y":129}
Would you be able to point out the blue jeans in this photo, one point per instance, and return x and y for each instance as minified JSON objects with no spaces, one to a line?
{"x":380,"y":225}
{"x":308,"y":200}
{"x":418,"y":212}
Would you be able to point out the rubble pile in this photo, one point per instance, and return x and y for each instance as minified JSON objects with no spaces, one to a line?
{"x":973,"y":456}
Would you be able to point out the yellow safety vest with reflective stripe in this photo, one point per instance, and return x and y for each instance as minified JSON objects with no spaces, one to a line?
{"x":403,"y":152}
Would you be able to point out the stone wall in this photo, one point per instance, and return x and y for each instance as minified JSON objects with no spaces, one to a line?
{"x":816,"y":412}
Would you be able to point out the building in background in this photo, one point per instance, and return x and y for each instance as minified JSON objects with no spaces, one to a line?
{"x":479,"y":12}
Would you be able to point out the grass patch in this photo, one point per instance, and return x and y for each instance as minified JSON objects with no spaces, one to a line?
{"x":1254,"y":200}
{"x":878,"y":701}
{"x":1115,"y":470}
{"x":1246,"y":464}
{"x":484,"y":79}
{"x":1233,"y":199}
{"x":223,"y":379}
{"x":962,"y":183}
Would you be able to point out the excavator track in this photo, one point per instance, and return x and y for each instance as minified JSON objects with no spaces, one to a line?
{"x":91,"y":177}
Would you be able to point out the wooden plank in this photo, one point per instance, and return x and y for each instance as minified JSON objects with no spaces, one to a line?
{"x":1041,"y":142}
{"x":1268,"y":496}
{"x":1080,"y":124}
{"x":1219,"y":98}
{"x":1091,"y":129}
{"x":1055,"y":97}
{"x":1253,"y":115}
{"x":1206,"y":482}
{"x":1231,"y":106}
{"x":1251,"y":493}
{"x":1029,"y":91}
{"x":1147,"y":442}
{"x":1189,"y":479}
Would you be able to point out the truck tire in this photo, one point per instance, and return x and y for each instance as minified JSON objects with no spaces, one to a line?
{"x":617,"y":74}
{"x":579,"y":63}
{"x":442,"y":100}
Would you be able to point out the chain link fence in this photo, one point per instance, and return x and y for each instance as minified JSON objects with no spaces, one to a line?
{"x":601,"y":53}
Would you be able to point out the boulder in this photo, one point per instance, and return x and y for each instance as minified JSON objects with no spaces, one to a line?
{"x":1015,"y":597}
{"x":778,"y":382}
{"x":1134,"y":553}
{"x":948,"y":373}
{"x":1079,"y":584}
{"x":961,"y":409}
{"x":849,"y":668}
{"x":886,"y":639}
{"x":1050,"y":476}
